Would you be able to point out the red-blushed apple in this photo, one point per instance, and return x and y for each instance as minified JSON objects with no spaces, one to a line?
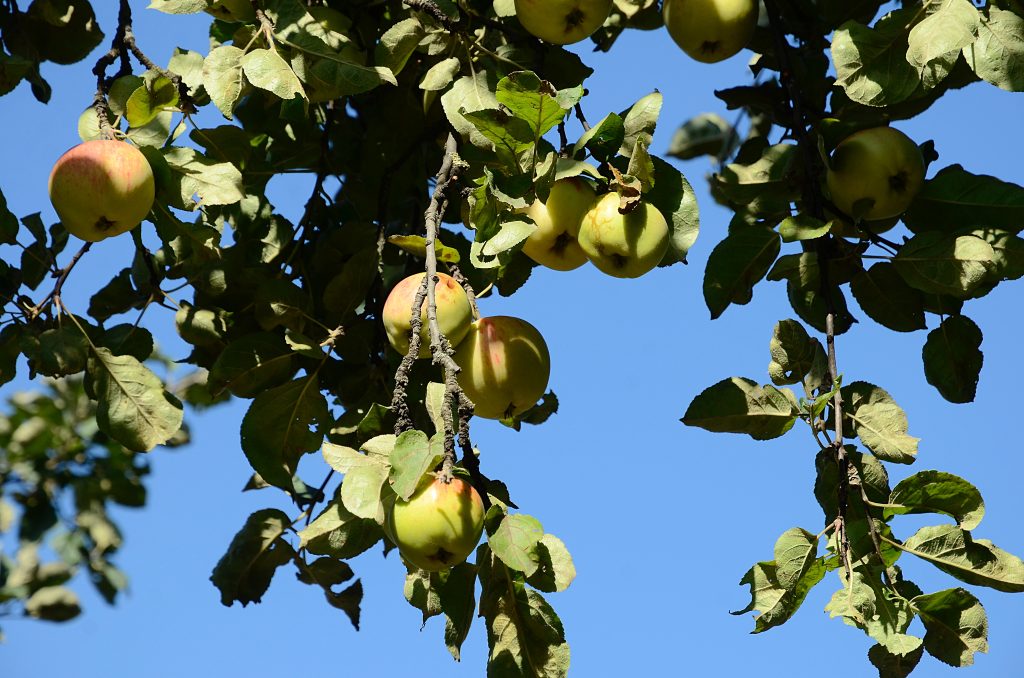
{"x":624,"y":245}
{"x":505,"y":366}
{"x":875,"y":173}
{"x":562,"y":22}
{"x":440,"y":525}
{"x":711,"y":30}
{"x":554,"y":242}
{"x":454,"y":313}
{"x":101,"y":188}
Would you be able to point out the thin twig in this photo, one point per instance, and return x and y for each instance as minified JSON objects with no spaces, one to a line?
{"x":62,"y":276}
{"x":460,"y":278}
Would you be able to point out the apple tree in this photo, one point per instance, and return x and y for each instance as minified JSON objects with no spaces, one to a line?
{"x":465,"y":154}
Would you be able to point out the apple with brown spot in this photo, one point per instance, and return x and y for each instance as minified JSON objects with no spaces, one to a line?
{"x":440,"y":524}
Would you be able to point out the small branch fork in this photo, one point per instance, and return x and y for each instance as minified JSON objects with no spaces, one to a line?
{"x":121,"y":47}
{"x":441,"y":349}
{"x":812,"y":196}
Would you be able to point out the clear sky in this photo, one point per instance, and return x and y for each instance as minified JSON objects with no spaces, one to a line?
{"x":662,"y":520}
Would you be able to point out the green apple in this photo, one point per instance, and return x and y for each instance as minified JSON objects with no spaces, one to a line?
{"x":875,"y":173}
{"x":505,"y":366}
{"x":440,"y":525}
{"x":454,"y":313}
{"x":624,"y":245}
{"x":101,"y":188}
{"x":554,"y":242}
{"x":562,"y":22}
{"x":711,"y":30}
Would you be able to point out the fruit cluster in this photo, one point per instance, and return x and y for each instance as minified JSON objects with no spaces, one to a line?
{"x":575,"y":225}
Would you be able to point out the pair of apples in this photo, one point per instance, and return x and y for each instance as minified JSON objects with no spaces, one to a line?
{"x":504,"y":361}
{"x":574,"y":226}
{"x":707,"y":30}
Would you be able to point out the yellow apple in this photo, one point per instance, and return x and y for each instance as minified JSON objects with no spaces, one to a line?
{"x":875,"y":173}
{"x":440,"y":525}
{"x":505,"y":366}
{"x":101,"y":188}
{"x":711,"y":30}
{"x":554,"y":242}
{"x":454,"y":313}
{"x":624,"y":245}
{"x":562,"y":22}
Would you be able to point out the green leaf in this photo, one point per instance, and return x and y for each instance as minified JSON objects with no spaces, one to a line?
{"x":955,"y":197}
{"x":891,"y":665}
{"x":148,"y":101}
{"x":276,"y":429}
{"x":736,"y":264}
{"x":938,"y":492}
{"x":339,"y":534}
{"x":53,"y":603}
{"x":244,"y":572}
{"x":223,"y":78}
{"x":196,"y":176}
{"x":347,"y":291}
{"x":705,"y":134}
{"x":360,"y":491}
{"x":524,"y":635}
{"x":265,"y":69}
{"x":950,"y":26}
{"x":794,"y":353}
{"x":458,"y":601}
{"x":765,"y":185}
{"x":515,"y":542}
{"x":398,"y":43}
{"x":56,"y":352}
{"x":677,"y":202}
{"x":178,"y":6}
{"x":434,"y":402}
{"x":888,"y":299}
{"x":998,"y":54}
{"x":953,"y":358}
{"x":416,"y":245}
{"x":603,"y":139}
{"x":879,"y":422}
{"x":1008,"y":263}
{"x":414,"y":454}
{"x":535,"y":101}
{"x":8,"y":223}
{"x":774,"y":602}
{"x":975,"y":561}
{"x":440,"y":75}
{"x":864,"y":602}
{"x":469,"y":93}
{"x":133,"y":406}
{"x":555,"y":571}
{"x":942,"y":263}
{"x":251,"y":365}
{"x":508,"y":134}
{"x":956,"y":623}
{"x":422,"y":591}
{"x":871,"y":63}
{"x":738,"y":405}
{"x":640,"y":121}
{"x":802,"y":227}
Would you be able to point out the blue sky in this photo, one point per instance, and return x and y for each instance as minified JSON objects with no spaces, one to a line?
{"x":662,"y":520}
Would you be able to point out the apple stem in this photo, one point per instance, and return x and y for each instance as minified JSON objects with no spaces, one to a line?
{"x":812,"y":194}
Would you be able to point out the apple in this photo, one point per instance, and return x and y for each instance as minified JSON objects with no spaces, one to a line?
{"x":101,"y":188}
{"x":554,"y":242}
{"x":505,"y":366}
{"x":440,"y":525}
{"x":880,"y":164}
{"x":454,"y":313}
{"x":562,"y":22}
{"x":624,"y":245}
{"x":711,"y":30}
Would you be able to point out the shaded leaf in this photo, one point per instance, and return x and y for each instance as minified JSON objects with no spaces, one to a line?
{"x":953,"y":358}
{"x":956,"y":623}
{"x":879,"y":422}
{"x":738,"y":405}
{"x":938,"y":492}
{"x":256,"y":551}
